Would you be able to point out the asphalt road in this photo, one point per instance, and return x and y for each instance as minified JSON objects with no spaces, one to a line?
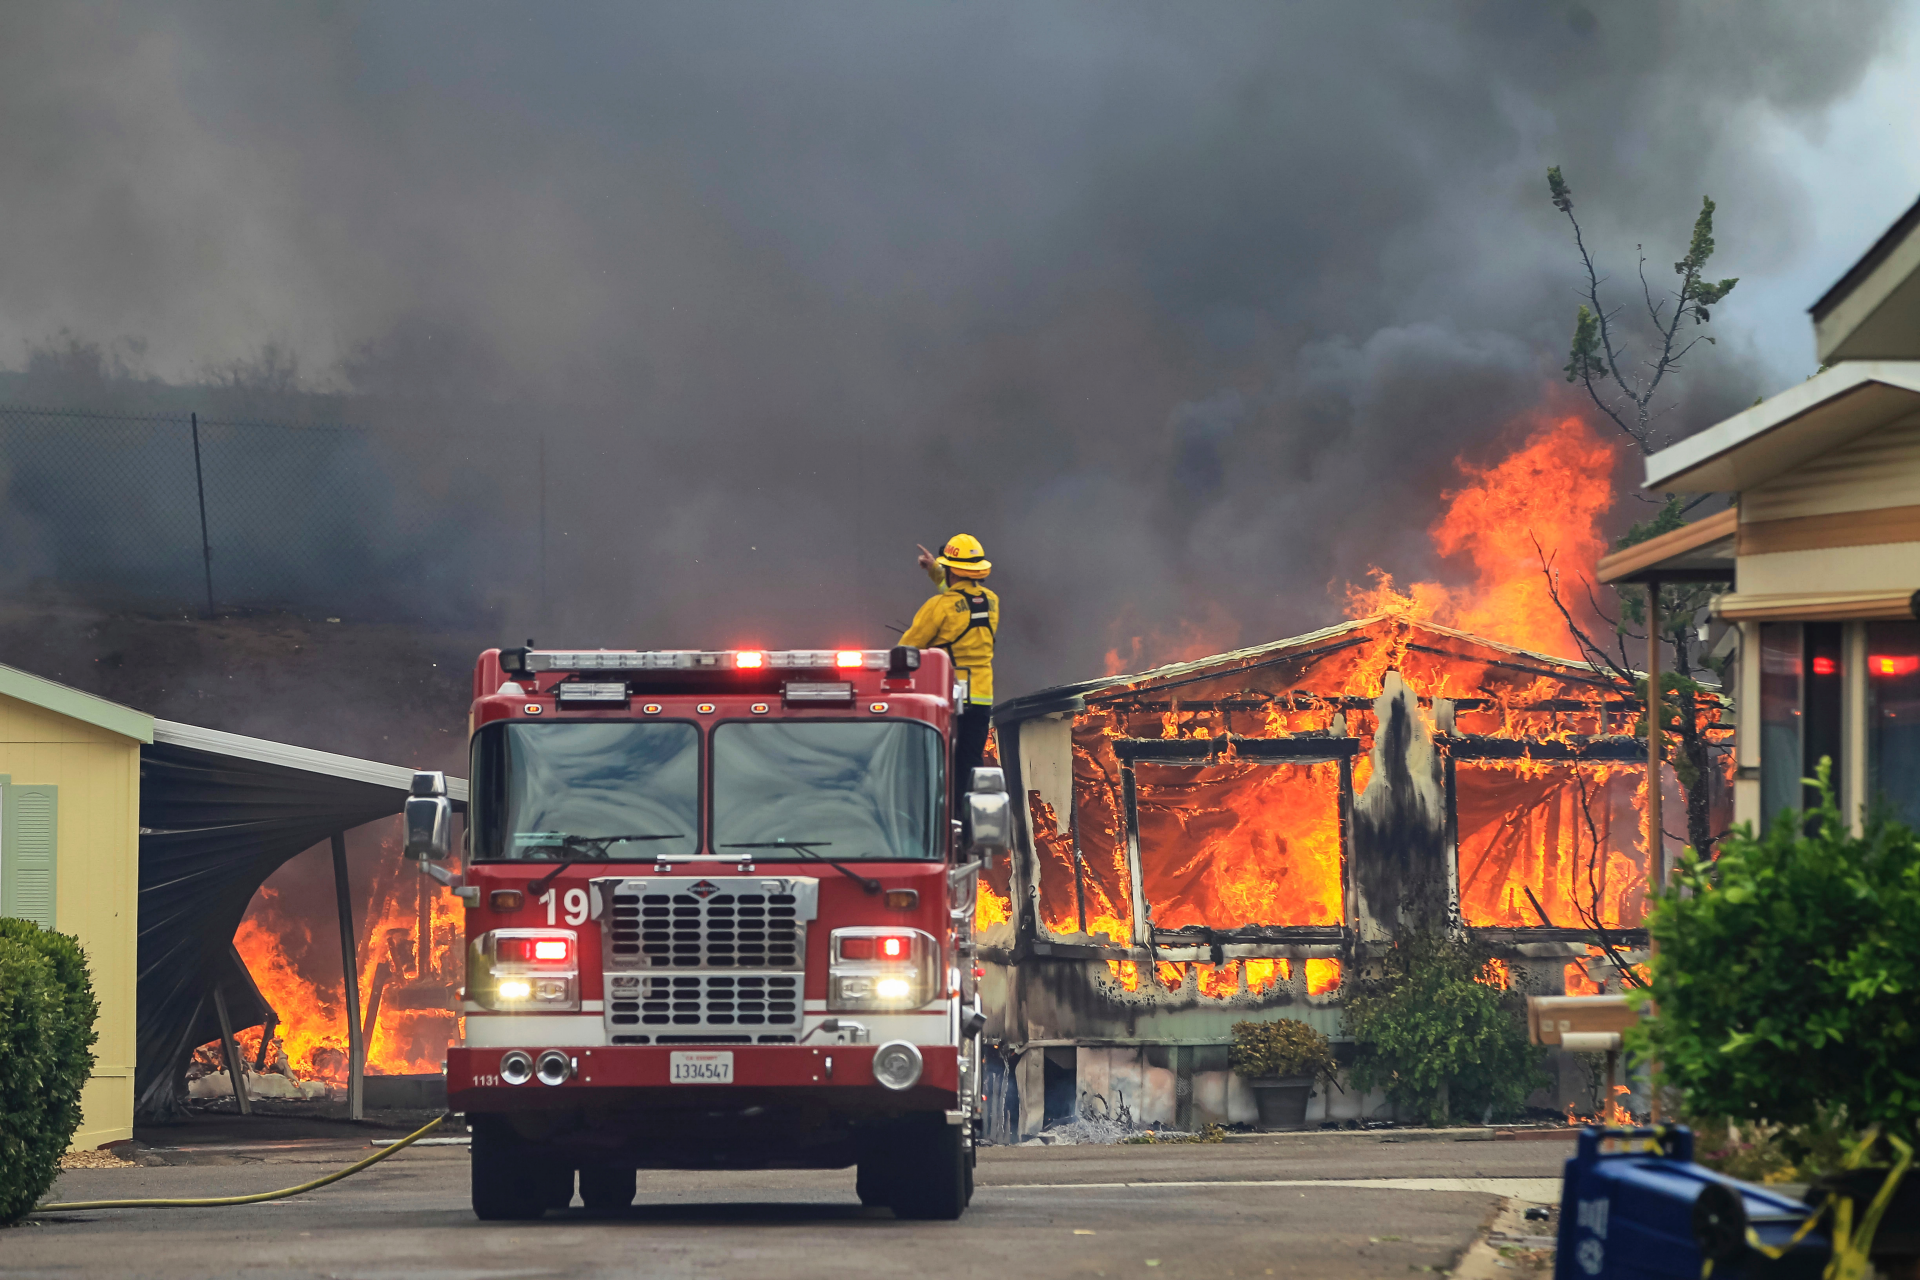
{"x":1156,"y":1211}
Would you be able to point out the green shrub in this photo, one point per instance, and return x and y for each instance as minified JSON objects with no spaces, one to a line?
{"x":1438,"y":1037}
{"x":1287,"y":1047}
{"x":47,"y":1014}
{"x":1788,"y":978}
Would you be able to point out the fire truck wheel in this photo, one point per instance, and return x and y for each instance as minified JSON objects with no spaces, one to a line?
{"x":556,"y":1185}
{"x":873,"y":1178}
{"x":933,"y":1181}
{"x":603,"y":1189}
{"x":507,"y":1183}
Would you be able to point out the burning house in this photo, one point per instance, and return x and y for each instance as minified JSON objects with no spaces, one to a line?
{"x":1229,"y":838}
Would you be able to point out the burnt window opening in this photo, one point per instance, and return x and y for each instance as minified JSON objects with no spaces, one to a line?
{"x":1548,"y":840}
{"x":1239,"y":843}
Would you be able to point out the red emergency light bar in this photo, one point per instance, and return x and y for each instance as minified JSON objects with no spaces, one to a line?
{"x":530,"y":661}
{"x":1893,"y":664}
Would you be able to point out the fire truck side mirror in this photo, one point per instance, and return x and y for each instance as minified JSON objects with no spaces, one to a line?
{"x":990,"y":817}
{"x":429,"y":817}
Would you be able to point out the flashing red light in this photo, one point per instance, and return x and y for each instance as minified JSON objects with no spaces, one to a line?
{"x":543,"y":950}
{"x":870,"y":948}
{"x":749,"y":658}
{"x":1893,"y":664}
{"x":1825,"y":667}
{"x":849,"y":658}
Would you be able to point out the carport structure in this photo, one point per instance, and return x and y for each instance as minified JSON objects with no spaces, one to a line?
{"x":219,"y":813}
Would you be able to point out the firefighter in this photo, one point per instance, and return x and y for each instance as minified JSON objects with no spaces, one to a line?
{"x":962,"y":619}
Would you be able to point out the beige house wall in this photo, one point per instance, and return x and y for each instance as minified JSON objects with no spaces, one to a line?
{"x":97,"y":881}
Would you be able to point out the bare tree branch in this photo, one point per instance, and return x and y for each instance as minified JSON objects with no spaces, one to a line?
{"x":1607,"y":944}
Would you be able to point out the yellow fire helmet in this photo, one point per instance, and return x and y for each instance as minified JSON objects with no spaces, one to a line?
{"x":965,"y":556}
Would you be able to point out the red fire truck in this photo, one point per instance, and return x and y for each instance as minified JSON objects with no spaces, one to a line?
{"x":718,"y":916}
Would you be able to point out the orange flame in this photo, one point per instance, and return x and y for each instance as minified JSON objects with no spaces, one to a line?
{"x":1213,"y":631}
{"x":1552,"y":491}
{"x":289,"y":965}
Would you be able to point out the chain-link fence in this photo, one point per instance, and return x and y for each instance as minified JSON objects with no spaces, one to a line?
{"x":202,"y":515}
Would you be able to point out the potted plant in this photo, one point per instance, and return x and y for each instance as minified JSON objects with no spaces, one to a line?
{"x":1281,"y":1060}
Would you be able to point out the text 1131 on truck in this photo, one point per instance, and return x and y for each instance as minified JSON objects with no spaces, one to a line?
{"x":718,"y":916}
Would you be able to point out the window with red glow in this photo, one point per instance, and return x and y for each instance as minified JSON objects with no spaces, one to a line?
{"x":1825,"y":667}
{"x":1893,"y":720}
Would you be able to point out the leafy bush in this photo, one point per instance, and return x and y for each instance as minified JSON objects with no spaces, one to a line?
{"x":47,"y":1014}
{"x":1287,"y":1047}
{"x":1788,"y":979}
{"x":1438,"y":1036}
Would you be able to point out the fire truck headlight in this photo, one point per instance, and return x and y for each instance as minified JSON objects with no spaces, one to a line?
{"x":874,"y":968}
{"x":896,"y":1064}
{"x":535,"y":970}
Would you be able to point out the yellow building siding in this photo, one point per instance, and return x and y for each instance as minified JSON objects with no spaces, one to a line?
{"x":1880,"y":469}
{"x":97,"y":880}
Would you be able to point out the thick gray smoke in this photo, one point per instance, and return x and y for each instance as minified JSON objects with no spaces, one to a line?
{"x":1184,"y":310}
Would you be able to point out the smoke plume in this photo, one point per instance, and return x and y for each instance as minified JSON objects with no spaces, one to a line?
{"x":1186,"y":312}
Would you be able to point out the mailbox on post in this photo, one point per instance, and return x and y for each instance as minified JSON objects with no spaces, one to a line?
{"x":1580,"y":1024}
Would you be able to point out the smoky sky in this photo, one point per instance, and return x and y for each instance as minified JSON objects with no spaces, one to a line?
{"x":1184,"y":310}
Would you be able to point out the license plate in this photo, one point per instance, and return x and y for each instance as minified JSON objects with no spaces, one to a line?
{"x":700,"y":1068}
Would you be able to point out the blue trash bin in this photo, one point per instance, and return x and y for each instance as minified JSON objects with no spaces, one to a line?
{"x":1631,"y":1206}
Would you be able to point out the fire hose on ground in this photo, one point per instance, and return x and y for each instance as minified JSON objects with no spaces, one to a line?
{"x":257,"y":1198}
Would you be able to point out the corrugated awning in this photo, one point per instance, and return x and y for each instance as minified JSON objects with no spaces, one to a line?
{"x":219,"y":813}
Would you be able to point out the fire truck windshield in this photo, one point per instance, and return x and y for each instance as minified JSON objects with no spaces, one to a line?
{"x":855,"y":791}
{"x":542,"y":790}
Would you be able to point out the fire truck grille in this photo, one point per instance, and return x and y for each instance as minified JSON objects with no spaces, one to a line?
{"x":720,"y":931}
{"x":696,"y":1002}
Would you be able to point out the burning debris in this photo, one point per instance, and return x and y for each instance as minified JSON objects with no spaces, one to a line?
{"x":410,"y":966}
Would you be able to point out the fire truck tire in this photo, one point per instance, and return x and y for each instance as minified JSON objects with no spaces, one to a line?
{"x":873,"y":1179}
{"x":603,"y":1189}
{"x":508,"y":1185}
{"x":556,"y":1185}
{"x":933,"y":1169}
